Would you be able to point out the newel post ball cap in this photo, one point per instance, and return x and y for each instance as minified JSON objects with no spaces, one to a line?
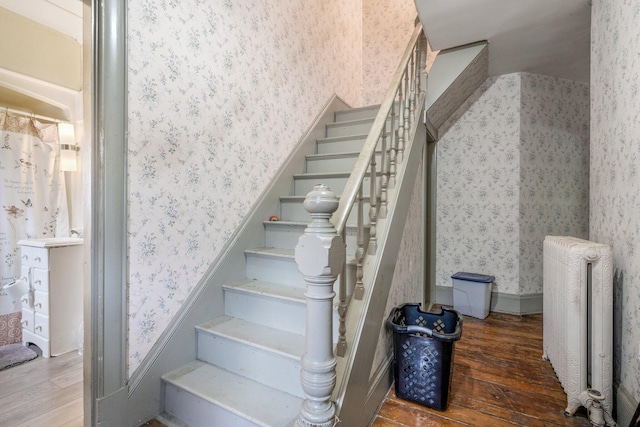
{"x":321,"y":200}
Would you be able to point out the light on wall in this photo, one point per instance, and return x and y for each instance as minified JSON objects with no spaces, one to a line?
{"x":68,"y":147}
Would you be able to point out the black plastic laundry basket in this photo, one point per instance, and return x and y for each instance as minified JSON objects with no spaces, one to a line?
{"x":423,"y":347}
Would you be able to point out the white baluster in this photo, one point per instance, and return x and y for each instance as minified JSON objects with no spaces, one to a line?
{"x":384,"y":176}
{"x":320,"y":255}
{"x":359,"y":287}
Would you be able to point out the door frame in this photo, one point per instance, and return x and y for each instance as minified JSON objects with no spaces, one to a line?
{"x":105,"y":364}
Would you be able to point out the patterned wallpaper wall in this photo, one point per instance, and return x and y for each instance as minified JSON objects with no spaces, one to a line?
{"x":478,"y":184}
{"x":615,"y":169}
{"x":512,"y":169}
{"x":386,"y":28}
{"x":219,"y":94}
{"x":554,"y":168}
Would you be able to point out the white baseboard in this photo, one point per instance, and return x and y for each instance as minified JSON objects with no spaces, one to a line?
{"x":501,"y":303}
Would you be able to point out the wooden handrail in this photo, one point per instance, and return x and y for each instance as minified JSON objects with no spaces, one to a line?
{"x":350,"y":192}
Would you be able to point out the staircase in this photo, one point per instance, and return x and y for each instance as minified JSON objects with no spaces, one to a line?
{"x":247,"y":367}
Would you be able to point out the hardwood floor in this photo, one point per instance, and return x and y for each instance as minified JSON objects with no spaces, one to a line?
{"x":499,"y":379}
{"x":43,"y":392}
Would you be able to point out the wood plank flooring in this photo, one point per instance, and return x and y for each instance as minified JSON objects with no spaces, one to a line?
{"x":43,"y":392}
{"x":499,"y":379}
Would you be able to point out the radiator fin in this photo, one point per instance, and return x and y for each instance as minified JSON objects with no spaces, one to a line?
{"x":567,"y":261}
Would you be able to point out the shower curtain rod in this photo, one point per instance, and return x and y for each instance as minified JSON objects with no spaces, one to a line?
{"x":32,"y":115}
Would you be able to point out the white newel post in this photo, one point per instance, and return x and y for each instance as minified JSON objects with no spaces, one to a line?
{"x":320,"y":256}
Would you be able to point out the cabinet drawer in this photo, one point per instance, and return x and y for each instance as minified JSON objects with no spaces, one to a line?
{"x":35,"y":257}
{"x":41,"y":326}
{"x":40,"y":279}
{"x":41,"y":302}
{"x":28,"y":319}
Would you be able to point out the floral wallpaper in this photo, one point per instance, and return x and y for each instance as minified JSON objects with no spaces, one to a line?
{"x":515,"y":161}
{"x":219,"y":94}
{"x":615,"y":168}
{"x":478,"y":174}
{"x":554,"y":168}
{"x":386,"y":30}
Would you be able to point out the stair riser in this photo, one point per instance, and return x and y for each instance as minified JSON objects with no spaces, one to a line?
{"x":356,"y":114}
{"x":293,"y":210}
{"x":282,"y":270}
{"x":283,"y":372}
{"x":303,"y":185}
{"x":287,"y":237}
{"x":349,"y":128}
{"x":340,"y":145}
{"x":356,"y":127}
{"x":334,"y":164}
{"x":197,"y":412}
{"x":277,"y":313}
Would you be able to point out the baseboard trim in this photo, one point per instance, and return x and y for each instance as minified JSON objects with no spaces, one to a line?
{"x":379,"y":386}
{"x":500,"y":302}
{"x":625,"y":405}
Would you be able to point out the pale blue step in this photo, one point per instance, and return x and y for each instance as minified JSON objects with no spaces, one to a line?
{"x":292,"y":209}
{"x":285,"y":235}
{"x":354,"y":127}
{"x":368,"y":112}
{"x":350,"y":127}
{"x":203,"y":395}
{"x":274,"y":305}
{"x":304,"y":183}
{"x":340,"y":144}
{"x":245,"y":348}
{"x":275,"y":265}
{"x":334,"y":162}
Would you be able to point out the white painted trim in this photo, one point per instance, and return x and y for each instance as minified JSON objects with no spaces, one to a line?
{"x":500,"y":302}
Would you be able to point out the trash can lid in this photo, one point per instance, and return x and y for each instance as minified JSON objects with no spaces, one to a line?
{"x":473,"y":277}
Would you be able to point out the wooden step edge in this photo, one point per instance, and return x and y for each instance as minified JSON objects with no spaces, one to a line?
{"x":277,"y":341}
{"x":267,"y":289}
{"x":225,"y":389}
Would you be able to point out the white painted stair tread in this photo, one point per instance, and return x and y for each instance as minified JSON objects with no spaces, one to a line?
{"x":271,"y":252}
{"x":262,"y":405}
{"x":282,"y":342}
{"x":270,"y":289}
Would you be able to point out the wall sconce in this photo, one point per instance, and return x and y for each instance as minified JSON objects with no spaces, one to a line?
{"x":68,"y":147}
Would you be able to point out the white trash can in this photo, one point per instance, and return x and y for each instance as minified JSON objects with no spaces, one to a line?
{"x":472,"y":294}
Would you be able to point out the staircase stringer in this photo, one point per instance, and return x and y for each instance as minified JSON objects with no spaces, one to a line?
{"x":365,"y":317}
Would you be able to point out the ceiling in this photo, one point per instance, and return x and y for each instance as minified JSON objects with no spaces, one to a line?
{"x":64,"y":16}
{"x":550,"y":37}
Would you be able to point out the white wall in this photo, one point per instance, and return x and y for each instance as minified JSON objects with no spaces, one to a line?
{"x":615,"y":170}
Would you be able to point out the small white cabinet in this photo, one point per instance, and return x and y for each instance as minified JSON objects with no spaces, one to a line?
{"x":52,"y":310}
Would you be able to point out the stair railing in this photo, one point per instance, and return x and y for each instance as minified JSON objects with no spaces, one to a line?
{"x":320,"y":253}
{"x":388,"y":135}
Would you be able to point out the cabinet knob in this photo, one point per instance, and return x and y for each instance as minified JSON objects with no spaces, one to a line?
{"x":38,"y":328}
{"x":37,"y":282}
{"x":37,"y":259}
{"x":24,"y":322}
{"x":38,"y":304}
{"x":25,"y":257}
{"x":24,"y":300}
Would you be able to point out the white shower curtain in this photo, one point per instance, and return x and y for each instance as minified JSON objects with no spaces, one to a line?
{"x":33,"y":203}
